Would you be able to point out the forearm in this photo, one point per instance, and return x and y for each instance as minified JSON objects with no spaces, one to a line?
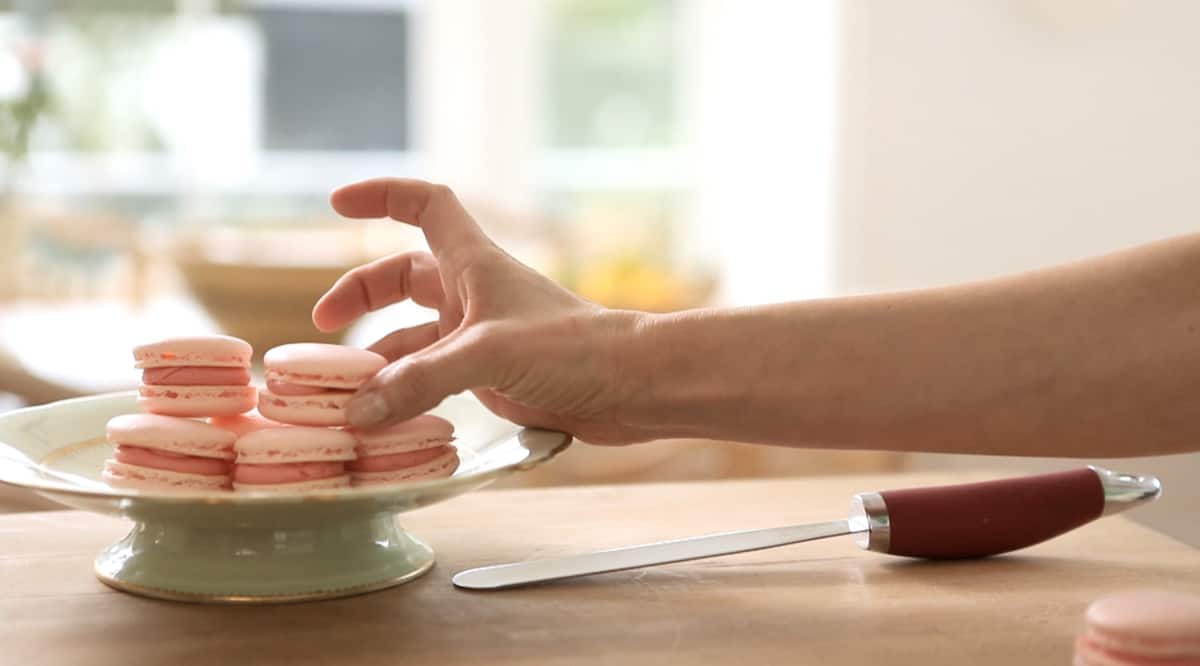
{"x":1092,"y":359}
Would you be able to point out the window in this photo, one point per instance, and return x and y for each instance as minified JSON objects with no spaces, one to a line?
{"x":601,"y":96}
{"x":274,"y":97}
{"x":335,"y":80}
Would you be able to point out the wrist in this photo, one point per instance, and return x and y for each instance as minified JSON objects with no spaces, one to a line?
{"x":622,"y":347}
{"x":662,"y":378}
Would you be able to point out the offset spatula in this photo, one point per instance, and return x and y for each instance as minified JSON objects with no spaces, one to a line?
{"x":945,"y":522}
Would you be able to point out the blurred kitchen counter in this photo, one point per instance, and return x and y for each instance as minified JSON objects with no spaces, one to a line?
{"x":698,"y":459}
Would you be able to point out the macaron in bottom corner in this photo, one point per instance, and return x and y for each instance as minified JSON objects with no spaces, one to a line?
{"x":1141,"y":628}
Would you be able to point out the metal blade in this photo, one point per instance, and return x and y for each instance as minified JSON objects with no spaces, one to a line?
{"x":651,"y":554}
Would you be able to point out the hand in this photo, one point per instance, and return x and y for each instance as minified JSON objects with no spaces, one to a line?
{"x":531,"y":351}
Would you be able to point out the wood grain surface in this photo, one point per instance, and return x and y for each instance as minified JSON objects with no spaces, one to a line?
{"x":819,"y":603}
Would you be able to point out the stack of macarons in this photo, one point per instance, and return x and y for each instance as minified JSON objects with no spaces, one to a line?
{"x":295,"y":441}
{"x":308,"y":386}
{"x":181,"y":377}
{"x":196,"y":376}
{"x":1141,"y":627}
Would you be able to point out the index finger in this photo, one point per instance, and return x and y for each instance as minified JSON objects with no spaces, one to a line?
{"x":432,"y":208}
{"x":379,"y":284}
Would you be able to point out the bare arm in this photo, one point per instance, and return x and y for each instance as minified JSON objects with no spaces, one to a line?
{"x":1094,"y":358}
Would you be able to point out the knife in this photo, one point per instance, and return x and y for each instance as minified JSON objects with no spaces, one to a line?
{"x":943,"y":522}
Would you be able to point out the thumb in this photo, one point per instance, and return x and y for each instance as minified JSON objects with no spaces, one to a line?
{"x":417,"y":383}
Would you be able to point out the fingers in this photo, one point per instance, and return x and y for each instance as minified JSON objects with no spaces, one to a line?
{"x":406,"y":341}
{"x":379,"y":284}
{"x":415,"y":384}
{"x":433,"y":208}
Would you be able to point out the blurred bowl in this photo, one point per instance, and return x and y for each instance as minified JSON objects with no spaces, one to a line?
{"x":264,"y":305}
{"x":260,"y":284}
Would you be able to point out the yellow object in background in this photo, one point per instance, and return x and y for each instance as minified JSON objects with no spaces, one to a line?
{"x":630,"y":281}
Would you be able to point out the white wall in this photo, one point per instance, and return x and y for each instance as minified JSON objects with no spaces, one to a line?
{"x":991,"y":136}
{"x":762,"y":97}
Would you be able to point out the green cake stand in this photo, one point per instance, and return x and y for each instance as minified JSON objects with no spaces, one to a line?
{"x":238,"y":548}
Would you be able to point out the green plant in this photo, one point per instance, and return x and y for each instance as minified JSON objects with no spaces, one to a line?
{"x":18,"y":117}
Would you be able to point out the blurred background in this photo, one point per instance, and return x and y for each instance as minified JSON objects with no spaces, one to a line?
{"x":165,"y":165}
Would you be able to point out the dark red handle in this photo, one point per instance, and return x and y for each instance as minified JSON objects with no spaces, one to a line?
{"x":992,"y":517}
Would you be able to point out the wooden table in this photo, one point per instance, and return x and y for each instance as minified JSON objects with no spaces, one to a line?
{"x":824,"y":602}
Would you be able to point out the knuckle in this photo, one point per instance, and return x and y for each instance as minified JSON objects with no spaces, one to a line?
{"x":440,"y":192}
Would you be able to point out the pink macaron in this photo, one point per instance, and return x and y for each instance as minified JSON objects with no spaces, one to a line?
{"x":292,"y":459}
{"x":412,"y":450}
{"x":195,"y":376}
{"x":1141,"y":628}
{"x":164,"y":452}
{"x":240,"y":424}
{"x":309,"y":384}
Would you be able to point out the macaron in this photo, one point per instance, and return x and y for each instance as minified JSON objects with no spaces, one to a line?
{"x":292,"y":459}
{"x":309,"y":384}
{"x":1141,"y":628}
{"x":164,"y":452}
{"x":240,"y":424}
{"x":412,"y":450}
{"x":195,"y":376}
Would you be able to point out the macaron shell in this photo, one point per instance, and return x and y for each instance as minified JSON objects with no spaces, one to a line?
{"x":196,"y":400}
{"x":293,"y":444}
{"x":440,"y":467}
{"x":1147,"y":623}
{"x":206,"y":350}
{"x":410,"y":446}
{"x":315,"y":364}
{"x":168,"y":433}
{"x":323,"y":409}
{"x":396,"y":461}
{"x":1099,"y":648}
{"x":273,"y":474}
{"x":303,"y":486}
{"x":1088,"y":653}
{"x":240,"y":424}
{"x":423,"y":432}
{"x":123,"y":475}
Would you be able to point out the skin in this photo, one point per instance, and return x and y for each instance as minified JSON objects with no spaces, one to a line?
{"x":1098,"y":358}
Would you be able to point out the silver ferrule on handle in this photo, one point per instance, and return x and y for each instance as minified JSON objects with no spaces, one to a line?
{"x":869,"y":522}
{"x":1124,"y":491}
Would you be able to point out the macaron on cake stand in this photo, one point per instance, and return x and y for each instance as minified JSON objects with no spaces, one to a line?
{"x":237,"y":547}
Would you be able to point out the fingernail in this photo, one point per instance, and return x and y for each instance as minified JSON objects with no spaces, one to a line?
{"x":367,"y":410}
